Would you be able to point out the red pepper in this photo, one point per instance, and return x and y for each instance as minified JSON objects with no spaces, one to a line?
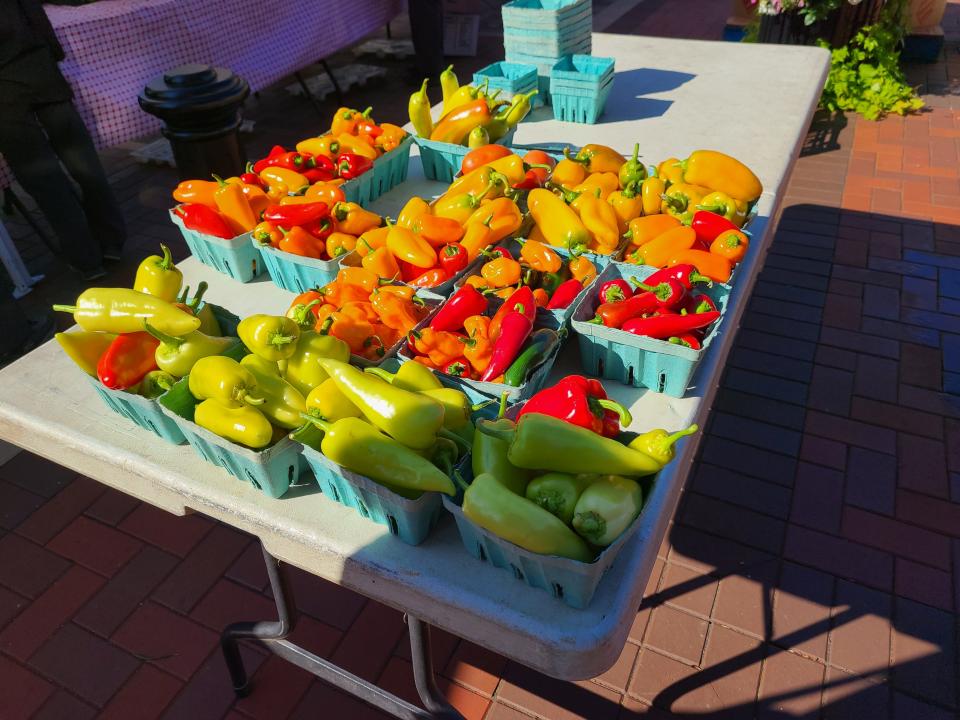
{"x":127,"y":359}
{"x":582,"y":402}
{"x":368,"y":127}
{"x":431,"y":278}
{"x":251,"y":178}
{"x":464,"y":303}
{"x":565,"y":294}
{"x":687,"y":275}
{"x":698,"y":303}
{"x":318,"y":174}
{"x":534,"y":178}
{"x":290,"y":161}
{"x":708,"y":225}
{"x":514,"y":330}
{"x":204,"y":219}
{"x":495,"y":252}
{"x":689,"y":340}
{"x":458,"y":368}
{"x":522,"y":296}
{"x":351,"y":165}
{"x":320,"y":229}
{"x":615,"y":290}
{"x":670,"y":292}
{"x":292,"y":215}
{"x":408,"y":271}
{"x":666,"y":326}
{"x":275,"y":151}
{"x":617,"y":313}
{"x":453,"y":258}
{"x":322,"y":162}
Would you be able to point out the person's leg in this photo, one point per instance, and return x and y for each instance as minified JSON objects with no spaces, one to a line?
{"x":14,"y":325}
{"x":426,"y":30}
{"x":72,"y":143}
{"x":35,"y":165}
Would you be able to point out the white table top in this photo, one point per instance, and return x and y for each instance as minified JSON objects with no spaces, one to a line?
{"x":730,"y":105}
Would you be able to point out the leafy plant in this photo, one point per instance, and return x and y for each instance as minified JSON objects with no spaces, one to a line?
{"x":865,"y":75}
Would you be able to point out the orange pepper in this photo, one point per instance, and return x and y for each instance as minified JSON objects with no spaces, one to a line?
{"x":255,"y":195}
{"x":649,"y":227}
{"x":388,"y":336}
{"x":382,"y":262}
{"x":440,"y":346}
{"x":437,"y":231}
{"x":505,"y":292}
{"x":352,"y":331}
{"x":401,"y":291}
{"x":541,"y":297}
{"x":277,"y":191}
{"x":353,"y":219}
{"x":361,"y":277}
{"x":731,"y":244}
{"x":430,"y":278}
{"x":337,"y":293}
{"x":478,"y":282}
{"x":298,"y":241}
{"x":196,"y":191}
{"x":477,"y":237}
{"x":327,"y":192}
{"x":415,"y":207}
{"x":478,"y":347}
{"x":395,"y":312}
{"x":568,"y":173}
{"x":357,"y":146}
{"x":267,"y":233}
{"x":360,"y":310}
{"x":234,"y":207}
{"x":325,"y":145}
{"x":390,"y":138}
{"x":425,"y":361}
{"x":582,"y":269}
{"x":323,"y":312}
{"x":345,"y":120}
{"x":657,"y":253}
{"x":501,"y":272}
{"x":606,"y":181}
{"x":540,"y":257}
{"x":339,"y":243}
{"x":371,"y":240}
{"x":715,"y":267}
{"x":502,"y":215}
{"x":410,"y":247}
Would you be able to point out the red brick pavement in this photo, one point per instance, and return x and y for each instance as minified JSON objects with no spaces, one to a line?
{"x":812,"y":570}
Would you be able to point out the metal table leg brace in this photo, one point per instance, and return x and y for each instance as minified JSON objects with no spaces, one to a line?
{"x":272,"y":635}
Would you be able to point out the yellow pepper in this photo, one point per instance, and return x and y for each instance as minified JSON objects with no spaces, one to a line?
{"x":559,"y":223}
{"x":410,"y":247}
{"x":582,"y":269}
{"x":601,"y":222}
{"x":458,"y":207}
{"x":681,"y":200}
{"x":476,"y":181}
{"x":502,"y":216}
{"x":606,"y":181}
{"x":670,"y":171}
{"x":382,"y":262}
{"x":85,"y":348}
{"x":233,"y":206}
{"x":419,"y":109}
{"x":339,"y":243}
{"x":326,"y":145}
{"x":568,"y":173}
{"x":651,"y":191}
{"x":345,"y":120}
{"x":718,"y":171}
{"x":371,"y":240}
{"x":291,"y":178}
{"x":277,"y":191}
{"x":330,"y":403}
{"x":415,"y":207}
{"x":476,"y":237}
{"x":722,"y":204}
{"x":353,"y":219}
{"x":539,"y":256}
{"x":510,"y":166}
{"x":353,"y":144}
{"x":627,"y":204}
{"x":598,"y":159}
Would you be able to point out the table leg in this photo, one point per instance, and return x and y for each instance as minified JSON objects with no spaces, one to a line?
{"x":306,"y":91}
{"x":272,"y":634}
{"x":333,"y":81}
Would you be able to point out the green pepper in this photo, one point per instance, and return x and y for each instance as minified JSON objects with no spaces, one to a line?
{"x":632,"y":172}
{"x":557,"y":493}
{"x":411,"y":376}
{"x":658,"y":444}
{"x":223,"y":379}
{"x":361,"y":448}
{"x":489,"y":504}
{"x":541,"y":442}
{"x":158,"y":276}
{"x":283,"y":404}
{"x":540,"y":344}
{"x":178,"y":355}
{"x":444,"y":454}
{"x":155,"y":383}
{"x":490,"y":454}
{"x":412,"y":419}
{"x":240,"y":424}
{"x":329,"y":403}
{"x":302,"y":370}
{"x":606,"y":508}
{"x":272,"y":337}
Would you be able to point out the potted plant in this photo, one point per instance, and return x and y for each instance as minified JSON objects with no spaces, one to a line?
{"x":804,"y":22}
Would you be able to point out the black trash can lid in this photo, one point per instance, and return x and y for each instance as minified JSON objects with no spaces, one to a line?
{"x":193,"y":85}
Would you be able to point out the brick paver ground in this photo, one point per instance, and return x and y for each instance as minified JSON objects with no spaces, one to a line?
{"x":813,"y":567}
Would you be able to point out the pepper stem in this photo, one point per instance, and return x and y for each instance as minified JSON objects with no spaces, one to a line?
{"x":162,"y":336}
{"x":481,"y":405}
{"x":667,"y":442}
{"x":282,"y":339}
{"x":499,"y":433}
{"x":65,"y":308}
{"x":251,"y":400}
{"x":201,"y":290}
{"x":625,"y":417}
{"x":458,"y":479}
{"x":450,"y":435}
{"x":503,"y":405}
{"x":381,"y":373}
{"x":166,"y":262}
{"x":317,"y":421}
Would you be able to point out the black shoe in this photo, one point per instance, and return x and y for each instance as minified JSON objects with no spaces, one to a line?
{"x":93,"y":274}
{"x":113,"y":254}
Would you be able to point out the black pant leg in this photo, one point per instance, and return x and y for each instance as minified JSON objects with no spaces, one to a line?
{"x":426,"y":29}
{"x":36,"y":166}
{"x":72,"y":143}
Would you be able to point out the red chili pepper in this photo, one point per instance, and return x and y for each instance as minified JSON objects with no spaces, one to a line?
{"x":514,"y":330}
{"x":689,"y":340}
{"x":251,"y":178}
{"x":698,"y":303}
{"x":708,"y":225}
{"x":615,"y":291}
{"x":495,"y":252}
{"x":579,"y":401}
{"x":275,"y":152}
{"x":318,"y":174}
{"x":453,"y":258}
{"x":290,"y":161}
{"x":291,"y":215}
{"x":351,"y":165}
{"x":687,"y":275}
{"x":204,"y":219}
{"x":615,"y":314}
{"x":670,"y":292}
{"x":431,"y":278}
{"x":666,"y":326}
{"x":522,"y":296}
{"x":458,"y":368}
{"x":565,"y":294}
{"x":323,"y":162}
{"x":320,"y":229}
{"x":127,"y":359}
{"x":464,"y":303}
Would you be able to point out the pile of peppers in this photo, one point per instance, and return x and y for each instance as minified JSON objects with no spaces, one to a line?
{"x":470,"y":116}
{"x":358,"y":308}
{"x":404,"y":430}
{"x":466,"y":338}
{"x":291,"y":199}
{"x":560,"y":480}
{"x":556,"y":281}
{"x":666,"y":305}
{"x":142,"y":340}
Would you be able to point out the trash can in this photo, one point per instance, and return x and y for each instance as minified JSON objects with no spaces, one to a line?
{"x":200,"y":108}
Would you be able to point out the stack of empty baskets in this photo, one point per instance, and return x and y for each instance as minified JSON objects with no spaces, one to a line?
{"x":542,"y":32}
